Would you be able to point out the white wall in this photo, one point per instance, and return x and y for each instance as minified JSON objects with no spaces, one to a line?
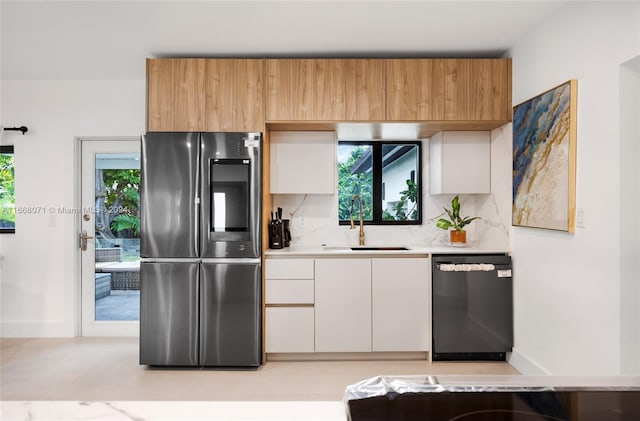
{"x":568,"y":286}
{"x":38,"y":291}
{"x":629,"y":212}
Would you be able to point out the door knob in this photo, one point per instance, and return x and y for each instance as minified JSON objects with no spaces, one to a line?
{"x":83,"y":240}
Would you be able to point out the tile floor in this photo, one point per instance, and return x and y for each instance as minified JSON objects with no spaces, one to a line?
{"x":48,"y":379}
{"x":107,"y":369}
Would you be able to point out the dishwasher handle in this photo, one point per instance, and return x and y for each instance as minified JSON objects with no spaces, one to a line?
{"x":466,"y":267}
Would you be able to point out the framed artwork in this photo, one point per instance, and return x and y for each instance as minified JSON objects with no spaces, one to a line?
{"x":544,"y":159}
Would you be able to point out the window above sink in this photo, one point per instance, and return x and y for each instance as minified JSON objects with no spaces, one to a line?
{"x":386,"y":175}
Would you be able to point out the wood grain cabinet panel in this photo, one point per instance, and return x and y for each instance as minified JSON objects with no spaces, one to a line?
{"x":327,"y":92}
{"x":211,"y":95}
{"x":501,"y":90}
{"x":489,"y":89}
{"x":175,"y":94}
{"x":229,"y":94}
{"x":234,"y":93}
{"x":325,"y":89}
{"x":448,"y":89}
{"x":456,"y":89}
{"x":288,"y":89}
{"x":415,"y":89}
{"x":364,"y":89}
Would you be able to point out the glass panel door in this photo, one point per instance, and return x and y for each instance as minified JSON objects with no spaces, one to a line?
{"x":110,"y":238}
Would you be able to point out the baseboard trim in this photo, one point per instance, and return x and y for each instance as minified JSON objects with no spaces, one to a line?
{"x":36,"y":330}
{"x":525,"y":365}
{"x":346,"y":356}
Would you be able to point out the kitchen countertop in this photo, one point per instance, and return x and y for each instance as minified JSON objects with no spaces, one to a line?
{"x":345,"y":251}
{"x":380,"y":385}
{"x":421,"y":397}
{"x":174,"y":410}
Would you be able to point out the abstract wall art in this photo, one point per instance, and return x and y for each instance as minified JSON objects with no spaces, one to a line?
{"x":544,"y":159}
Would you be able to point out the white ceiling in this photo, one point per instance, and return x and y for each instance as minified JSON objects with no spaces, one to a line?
{"x":111,"y":39}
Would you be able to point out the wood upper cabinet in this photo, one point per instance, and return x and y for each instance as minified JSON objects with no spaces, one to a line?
{"x":490,"y":89}
{"x":415,"y":89}
{"x":229,"y":94}
{"x":456,"y":89}
{"x":175,"y":95}
{"x":205,"y":95}
{"x":448,"y":89}
{"x":234,"y":95}
{"x":325,"y":89}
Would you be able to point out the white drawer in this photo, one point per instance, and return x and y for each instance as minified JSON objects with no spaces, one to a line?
{"x":289,"y":269}
{"x":289,"y":329}
{"x":289,"y":291}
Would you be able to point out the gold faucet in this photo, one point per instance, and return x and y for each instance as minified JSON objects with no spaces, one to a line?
{"x":361,"y":236}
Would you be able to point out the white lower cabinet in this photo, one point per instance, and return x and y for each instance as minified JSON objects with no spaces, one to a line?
{"x":289,"y":329}
{"x":289,"y":291}
{"x":289,"y":316}
{"x":400,"y":303}
{"x":359,"y":304}
{"x":343,"y":305}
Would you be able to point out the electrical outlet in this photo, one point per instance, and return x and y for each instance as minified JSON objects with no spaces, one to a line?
{"x":580,"y":218}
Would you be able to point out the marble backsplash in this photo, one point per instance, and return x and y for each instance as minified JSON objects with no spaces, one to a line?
{"x":314,"y":222}
{"x":314,"y":218}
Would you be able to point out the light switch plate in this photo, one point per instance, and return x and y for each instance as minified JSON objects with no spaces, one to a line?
{"x":580,"y":218}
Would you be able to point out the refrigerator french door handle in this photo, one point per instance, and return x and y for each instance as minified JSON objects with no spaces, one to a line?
{"x":197,"y":198}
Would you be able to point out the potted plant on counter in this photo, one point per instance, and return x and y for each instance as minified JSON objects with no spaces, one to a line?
{"x":457,"y":235}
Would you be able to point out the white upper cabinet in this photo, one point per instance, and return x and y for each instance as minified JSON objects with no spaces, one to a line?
{"x":460,"y":162}
{"x":303,"y":162}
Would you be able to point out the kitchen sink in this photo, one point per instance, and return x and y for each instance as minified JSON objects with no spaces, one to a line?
{"x":378,"y":248}
{"x":362,"y":248}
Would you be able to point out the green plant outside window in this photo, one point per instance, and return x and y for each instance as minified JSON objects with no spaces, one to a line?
{"x":7,"y":190}
{"x":122,"y":198}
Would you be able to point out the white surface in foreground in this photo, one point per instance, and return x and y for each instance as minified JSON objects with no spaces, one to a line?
{"x":211,"y":411}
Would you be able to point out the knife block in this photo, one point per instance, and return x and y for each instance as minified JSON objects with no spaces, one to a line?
{"x":279,"y":234}
{"x":276,"y":235}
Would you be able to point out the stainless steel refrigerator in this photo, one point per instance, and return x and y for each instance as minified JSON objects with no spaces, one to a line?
{"x":200,"y":248}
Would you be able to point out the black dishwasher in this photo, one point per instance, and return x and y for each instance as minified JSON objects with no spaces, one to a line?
{"x":472,"y":298}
